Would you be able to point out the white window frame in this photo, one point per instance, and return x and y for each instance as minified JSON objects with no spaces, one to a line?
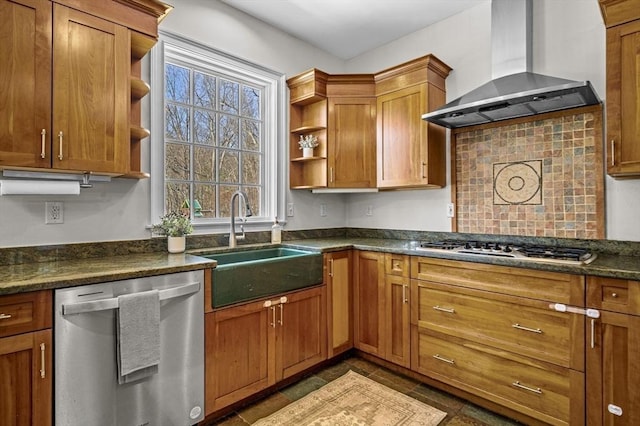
{"x":273,"y":84}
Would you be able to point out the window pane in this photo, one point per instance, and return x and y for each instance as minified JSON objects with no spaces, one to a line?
{"x":250,"y":102}
{"x":250,"y":135}
{"x":225,"y":198}
{"x":229,"y":96}
{"x":177,"y":195}
{"x":204,"y":124}
{"x":228,"y":131}
{"x":250,"y":168}
{"x":176,"y":83}
{"x":176,"y":161}
{"x":203,"y":163}
{"x":205,"y":195}
{"x":228,"y":167}
{"x":204,"y":88}
{"x":177,"y":122}
{"x":253,"y":193}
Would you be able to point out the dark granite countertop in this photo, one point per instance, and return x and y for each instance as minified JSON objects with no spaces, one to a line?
{"x":605,"y":265}
{"x":68,"y":273}
{"x":51,"y":274}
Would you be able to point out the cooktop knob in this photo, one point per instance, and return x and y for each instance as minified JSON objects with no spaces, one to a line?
{"x":507,"y":249}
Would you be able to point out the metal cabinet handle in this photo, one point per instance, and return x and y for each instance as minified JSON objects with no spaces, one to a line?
{"x":404,"y":294}
{"x":613,"y":152}
{"x":60,"y":142}
{"x":532,"y":330}
{"x":447,"y":310}
{"x":614,"y":295}
{"x":281,"y":321}
{"x":440,"y":358}
{"x":331,"y":268}
{"x":527,"y":388}
{"x":43,"y":152}
{"x":331,"y":174}
{"x":424,"y":165}
{"x":42,"y":360}
{"x":593,"y":333}
{"x":4,"y":316}
{"x":273,"y":317}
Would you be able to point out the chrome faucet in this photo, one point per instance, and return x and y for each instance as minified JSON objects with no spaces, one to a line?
{"x":233,"y":237}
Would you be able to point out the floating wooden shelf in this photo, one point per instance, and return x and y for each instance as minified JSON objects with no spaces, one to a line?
{"x":139,"y":88}
{"x":308,"y":158}
{"x":139,"y":133}
{"x":136,"y":175}
{"x":307,"y":129}
{"x":141,"y":44}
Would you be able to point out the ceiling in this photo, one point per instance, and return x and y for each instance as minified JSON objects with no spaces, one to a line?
{"x":348,"y":28}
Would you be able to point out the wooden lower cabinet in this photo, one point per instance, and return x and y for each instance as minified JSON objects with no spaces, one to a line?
{"x":491,"y":331}
{"x":26,"y":365}
{"x":339,"y":302}
{"x":252,"y":346}
{"x":397,"y":309}
{"x":613,"y":348}
{"x":369,"y":295}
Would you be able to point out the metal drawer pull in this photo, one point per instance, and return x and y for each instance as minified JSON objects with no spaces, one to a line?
{"x":614,"y":295}
{"x":273,"y":317}
{"x":533,"y":330}
{"x":112,"y":303}
{"x":527,"y":388}
{"x":404,"y":294}
{"x":4,"y":316}
{"x":331,"y":268}
{"x":613,"y":152}
{"x":439,"y":358}
{"x":614,"y":409}
{"x":42,"y":360}
{"x":43,"y":152}
{"x":447,"y":310}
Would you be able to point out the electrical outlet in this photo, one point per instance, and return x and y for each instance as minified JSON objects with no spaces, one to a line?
{"x":451,"y":211}
{"x":290,"y":209}
{"x":323,"y":209}
{"x":54,"y":212}
{"x":369,"y":210}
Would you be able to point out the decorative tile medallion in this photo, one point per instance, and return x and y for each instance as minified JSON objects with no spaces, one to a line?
{"x":533,"y":178}
{"x":517,"y":183}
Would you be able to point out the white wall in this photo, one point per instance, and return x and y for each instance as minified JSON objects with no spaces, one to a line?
{"x":569,"y":42}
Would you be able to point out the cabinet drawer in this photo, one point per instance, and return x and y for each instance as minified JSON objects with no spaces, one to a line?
{"x":396,"y":264}
{"x":543,"y":391}
{"x":524,"y":326}
{"x":612,"y":294}
{"x":24,"y":312}
{"x":542,"y":285}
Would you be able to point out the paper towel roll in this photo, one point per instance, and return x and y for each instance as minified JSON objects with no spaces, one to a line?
{"x":35,"y":187}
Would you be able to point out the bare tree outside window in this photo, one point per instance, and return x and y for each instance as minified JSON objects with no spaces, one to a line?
{"x":213,"y":142}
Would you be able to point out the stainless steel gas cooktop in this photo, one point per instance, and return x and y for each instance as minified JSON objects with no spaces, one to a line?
{"x":533,"y":253}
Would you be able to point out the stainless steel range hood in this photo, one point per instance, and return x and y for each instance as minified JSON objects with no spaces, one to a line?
{"x":515,"y":91}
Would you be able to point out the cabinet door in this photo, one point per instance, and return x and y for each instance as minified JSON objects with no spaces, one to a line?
{"x":369,"y":302}
{"x":352,"y":142}
{"x":613,"y":370}
{"x":25,"y":379}
{"x":396,"y":320}
{"x":25,"y":83}
{"x":301,"y":332}
{"x":339,"y":302}
{"x":411,"y":152}
{"x":623,"y":102}
{"x":91,"y":64}
{"x":236,"y":346}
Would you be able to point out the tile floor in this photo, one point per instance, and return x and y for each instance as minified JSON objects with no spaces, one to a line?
{"x":459,"y":412}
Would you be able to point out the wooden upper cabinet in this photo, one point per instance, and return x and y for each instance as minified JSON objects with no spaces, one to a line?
{"x":25,"y":83}
{"x":622,"y":18}
{"x":70,"y":83}
{"x":91,"y":65}
{"x":351,"y":131}
{"x":411,"y":152}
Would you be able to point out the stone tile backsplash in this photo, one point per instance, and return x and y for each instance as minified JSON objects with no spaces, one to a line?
{"x":536,"y":178}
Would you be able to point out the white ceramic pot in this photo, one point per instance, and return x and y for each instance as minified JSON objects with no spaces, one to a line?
{"x":176,"y":244}
{"x":307,"y":152}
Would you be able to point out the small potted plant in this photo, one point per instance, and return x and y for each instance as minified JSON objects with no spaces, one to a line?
{"x":307,"y":143}
{"x":175,"y":226}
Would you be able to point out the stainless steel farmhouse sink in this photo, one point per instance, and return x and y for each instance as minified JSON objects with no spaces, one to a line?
{"x":251,"y":274}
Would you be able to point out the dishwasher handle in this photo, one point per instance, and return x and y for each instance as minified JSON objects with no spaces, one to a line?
{"x":112,"y":303}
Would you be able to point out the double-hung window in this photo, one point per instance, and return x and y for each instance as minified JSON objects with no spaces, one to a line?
{"x":216,"y":122}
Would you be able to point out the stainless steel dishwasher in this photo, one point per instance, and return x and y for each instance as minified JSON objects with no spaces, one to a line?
{"x":86,"y":387}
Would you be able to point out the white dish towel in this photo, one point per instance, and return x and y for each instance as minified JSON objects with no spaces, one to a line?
{"x":138,"y":335}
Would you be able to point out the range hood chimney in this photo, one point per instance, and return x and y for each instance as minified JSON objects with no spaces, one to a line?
{"x":515,"y":91}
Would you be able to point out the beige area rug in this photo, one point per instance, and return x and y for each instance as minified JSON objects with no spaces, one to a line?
{"x":354,"y":400}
